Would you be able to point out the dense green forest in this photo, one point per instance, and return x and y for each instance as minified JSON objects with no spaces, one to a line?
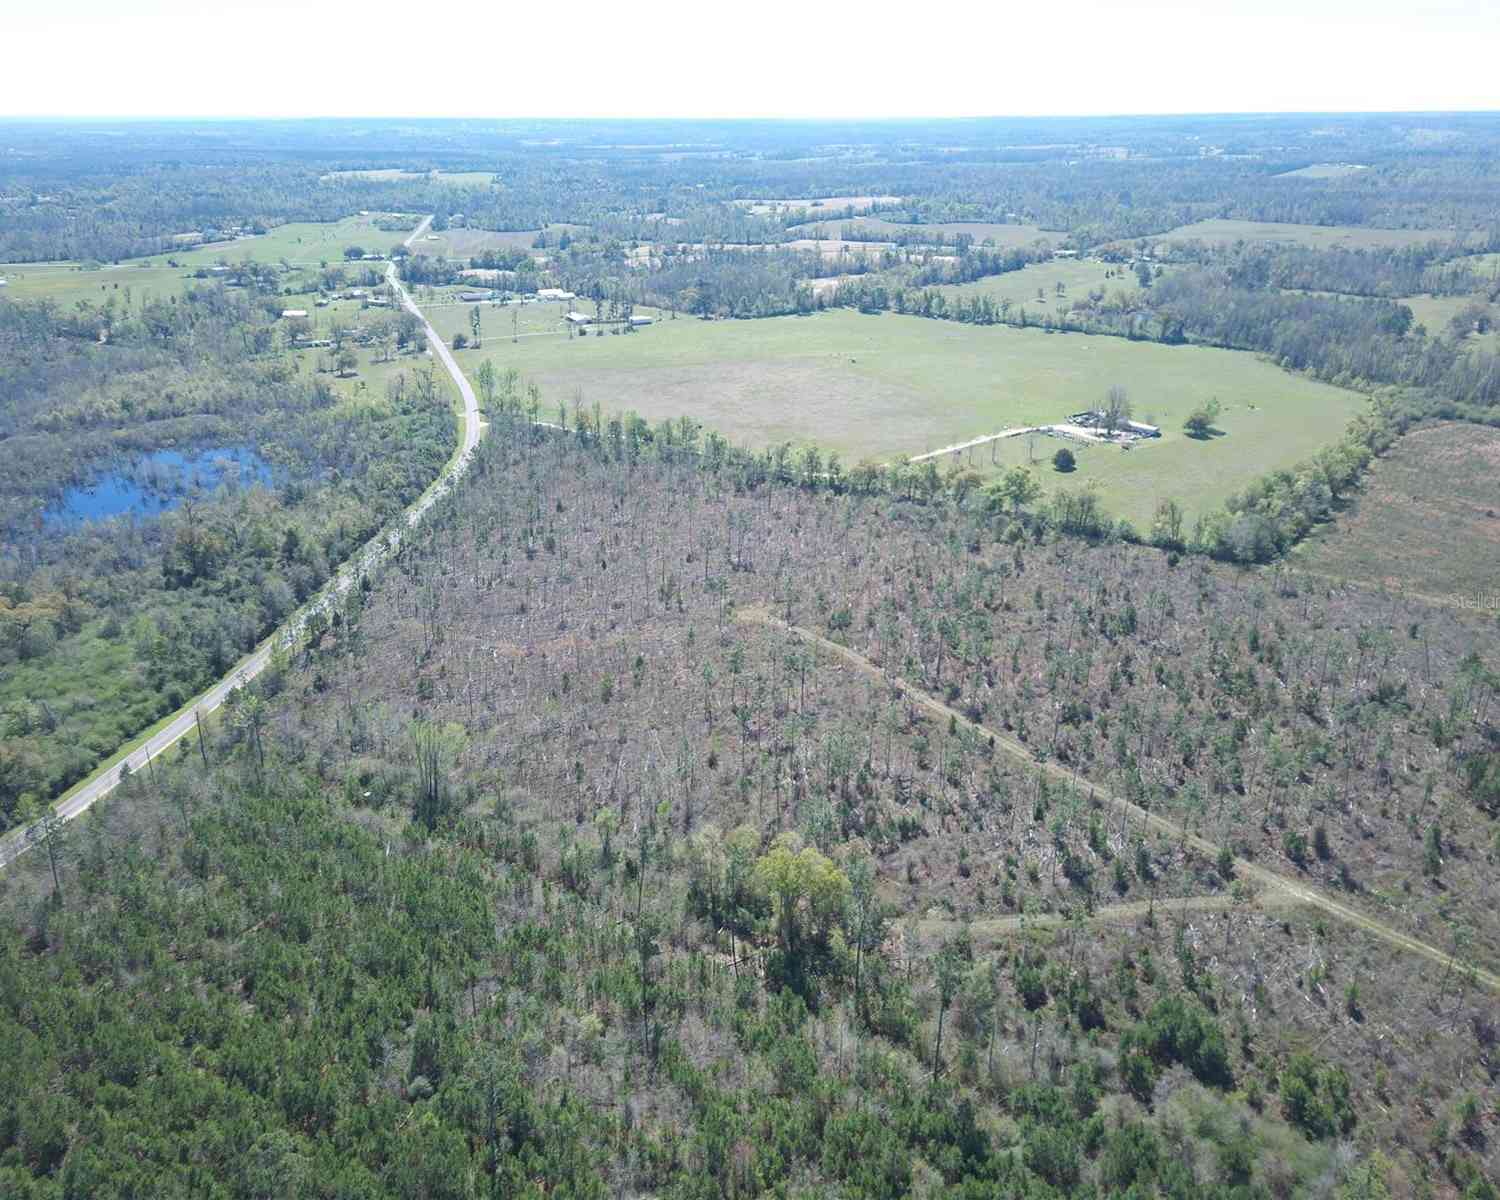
{"x":560,"y":862}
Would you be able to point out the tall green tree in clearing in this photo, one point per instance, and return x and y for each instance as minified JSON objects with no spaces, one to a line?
{"x":1014,"y":490}
{"x":950,"y":967}
{"x":866,"y":919}
{"x":434,"y":751}
{"x":485,"y":377}
{"x":1432,"y":851}
{"x":1166,"y":524}
{"x":1200,"y":421}
{"x":808,"y":892}
{"x":648,"y":925}
{"x":48,"y":830}
{"x":249,"y":714}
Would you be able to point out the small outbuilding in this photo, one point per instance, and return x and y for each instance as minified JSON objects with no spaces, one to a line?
{"x":294,"y":312}
{"x":578,"y":318}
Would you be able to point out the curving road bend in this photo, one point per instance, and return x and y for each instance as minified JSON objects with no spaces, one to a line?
{"x":102,"y":782}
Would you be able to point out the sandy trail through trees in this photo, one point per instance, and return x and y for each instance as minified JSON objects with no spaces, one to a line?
{"x":1251,"y":872}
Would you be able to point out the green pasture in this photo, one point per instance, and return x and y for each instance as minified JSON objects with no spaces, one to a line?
{"x":883,"y":385}
{"x":503,"y":322}
{"x":1259,"y":431}
{"x":67,"y":283}
{"x":1078,"y":278}
{"x":301,"y":243}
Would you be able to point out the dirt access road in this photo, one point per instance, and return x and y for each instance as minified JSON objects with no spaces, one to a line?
{"x":102,"y":782}
{"x":1261,"y":877}
{"x":990,"y":931}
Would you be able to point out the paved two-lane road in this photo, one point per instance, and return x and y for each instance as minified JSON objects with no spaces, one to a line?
{"x":104,"y":781}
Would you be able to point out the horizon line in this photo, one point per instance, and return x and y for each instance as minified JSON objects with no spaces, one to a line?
{"x":760,"y":117}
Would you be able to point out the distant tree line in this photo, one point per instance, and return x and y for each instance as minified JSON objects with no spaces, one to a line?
{"x":1443,"y":268}
{"x":80,"y":196}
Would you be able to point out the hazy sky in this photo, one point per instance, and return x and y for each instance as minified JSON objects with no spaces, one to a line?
{"x":755,"y":58}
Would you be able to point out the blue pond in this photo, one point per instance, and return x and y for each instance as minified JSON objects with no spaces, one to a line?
{"x":157,"y":483}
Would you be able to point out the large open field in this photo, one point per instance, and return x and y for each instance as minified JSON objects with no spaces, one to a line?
{"x":1078,"y":277}
{"x":1427,"y":521}
{"x":465,"y":178}
{"x":300,"y":243}
{"x":465,"y":243}
{"x":879,"y":386}
{"x":1354,"y":237}
{"x":66,"y":283}
{"x":1259,"y":435}
{"x":980,"y":231}
{"x":501,"y":321}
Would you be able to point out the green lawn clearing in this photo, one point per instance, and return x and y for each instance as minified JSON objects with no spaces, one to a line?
{"x":880,"y":386}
